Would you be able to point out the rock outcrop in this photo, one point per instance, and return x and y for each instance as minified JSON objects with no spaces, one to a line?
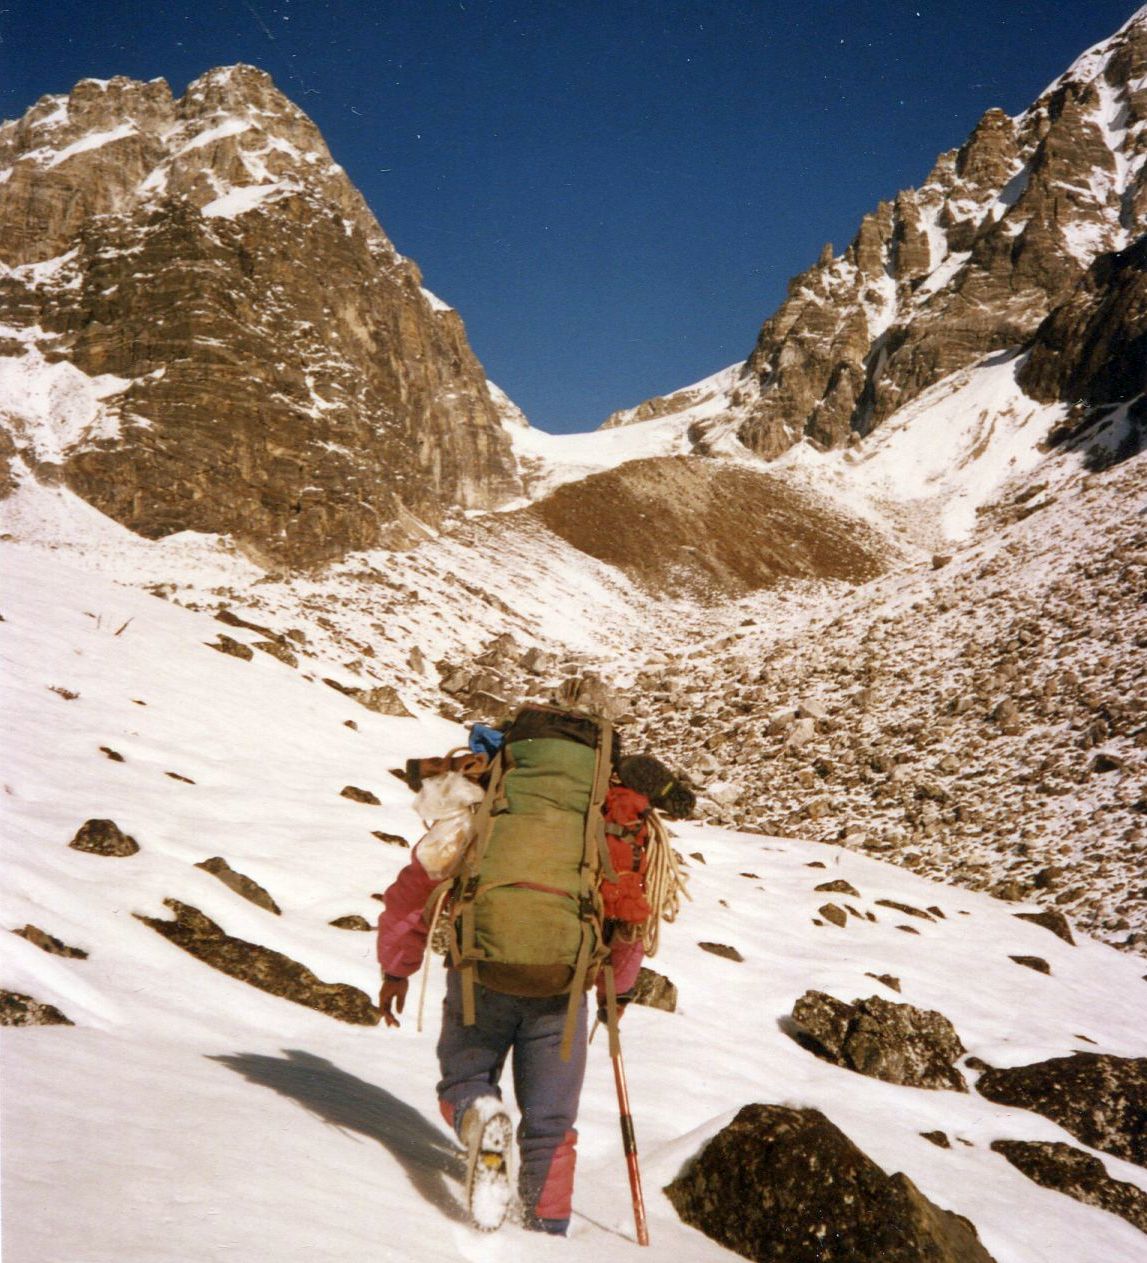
{"x":269,"y":366}
{"x":1099,"y":1099}
{"x":894,"y":1042}
{"x":786,"y":1184}
{"x":260,"y":966}
{"x":1077,"y":1174}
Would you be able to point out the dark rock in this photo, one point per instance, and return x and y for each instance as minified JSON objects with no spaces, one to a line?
{"x":103,"y":837}
{"x":719,"y":949}
{"x":1051,"y":920}
{"x":22,"y":1010}
{"x":177,"y":776}
{"x":787,"y":1185}
{"x":889,"y":980}
{"x":655,"y":991}
{"x":885,"y":1040}
{"x":905,"y":907}
{"x":831,"y":912}
{"x":391,"y":839}
{"x":1078,"y":1174}
{"x":49,"y":943}
{"x":938,"y":1138}
{"x":262,"y":967}
{"x":357,"y":795}
{"x":277,"y":649}
{"x":382,"y":699}
{"x":217,"y":866}
{"x":1098,"y":1098}
{"x":114,"y":755}
{"x":1033,"y":962}
{"x":352,"y":922}
{"x":225,"y":644}
{"x":838,"y":887}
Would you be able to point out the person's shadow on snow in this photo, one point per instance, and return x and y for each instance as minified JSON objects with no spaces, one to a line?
{"x":428,"y":1157}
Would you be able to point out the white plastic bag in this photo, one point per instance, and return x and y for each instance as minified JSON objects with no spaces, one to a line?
{"x":446,"y":804}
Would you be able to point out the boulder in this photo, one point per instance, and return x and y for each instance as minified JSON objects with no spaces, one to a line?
{"x":1080,"y":1175}
{"x":894,"y":1042}
{"x":103,"y":837}
{"x":721,"y":949}
{"x":1098,"y":1098}
{"x":787,"y":1185}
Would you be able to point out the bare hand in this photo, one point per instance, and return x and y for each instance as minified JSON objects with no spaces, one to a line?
{"x":393,"y":993}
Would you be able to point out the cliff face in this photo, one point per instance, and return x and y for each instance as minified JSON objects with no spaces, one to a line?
{"x":284,"y":377}
{"x":1000,"y":237}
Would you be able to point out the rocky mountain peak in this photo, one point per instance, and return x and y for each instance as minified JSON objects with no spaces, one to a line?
{"x":998,"y":238}
{"x":265,"y":364}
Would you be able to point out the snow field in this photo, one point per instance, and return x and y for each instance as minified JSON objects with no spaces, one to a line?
{"x":188,"y":1115}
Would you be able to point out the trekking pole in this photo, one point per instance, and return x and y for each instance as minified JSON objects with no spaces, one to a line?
{"x":628,"y":1135}
{"x":629,"y":1143}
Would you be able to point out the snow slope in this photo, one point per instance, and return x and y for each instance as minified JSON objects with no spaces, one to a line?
{"x":187,"y":1116}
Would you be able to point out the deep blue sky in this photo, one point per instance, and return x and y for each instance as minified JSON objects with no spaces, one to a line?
{"x":613,"y":193}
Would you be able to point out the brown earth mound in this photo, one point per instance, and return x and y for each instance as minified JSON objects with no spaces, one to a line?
{"x":708,"y":528}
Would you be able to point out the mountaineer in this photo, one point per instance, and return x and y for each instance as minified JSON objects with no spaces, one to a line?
{"x":549,"y":874}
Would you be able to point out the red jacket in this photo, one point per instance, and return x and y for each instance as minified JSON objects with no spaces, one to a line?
{"x":402,"y":931}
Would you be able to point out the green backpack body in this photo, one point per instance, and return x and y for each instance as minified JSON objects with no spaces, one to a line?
{"x":526,"y":917}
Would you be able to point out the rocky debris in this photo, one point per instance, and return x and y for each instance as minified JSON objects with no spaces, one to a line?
{"x":114,"y":755}
{"x":391,"y":839}
{"x":938,"y":1138}
{"x":23,"y":1010}
{"x":103,"y":837}
{"x":721,"y":949}
{"x":1100,"y":1099}
{"x":357,"y":795}
{"x":351,"y":922}
{"x":178,"y":776}
{"x":759,"y":1187}
{"x":277,"y":649}
{"x":1080,"y":1175}
{"x":894,"y":1042}
{"x":217,"y":866}
{"x":655,"y":991}
{"x":383,"y":699}
{"x":49,"y":943}
{"x":232,"y":647}
{"x":712,"y":529}
{"x":1051,"y":920}
{"x":314,"y":399}
{"x":260,"y":966}
{"x":889,"y":980}
{"x":1033,"y":962}
{"x":918,"y":775}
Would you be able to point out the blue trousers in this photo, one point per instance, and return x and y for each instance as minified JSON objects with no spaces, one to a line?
{"x":546,"y":1088}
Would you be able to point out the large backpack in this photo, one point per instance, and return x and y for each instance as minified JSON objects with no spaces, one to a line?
{"x":526,"y":916}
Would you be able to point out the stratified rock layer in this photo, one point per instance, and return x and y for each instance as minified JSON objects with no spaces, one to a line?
{"x":786,"y":1184}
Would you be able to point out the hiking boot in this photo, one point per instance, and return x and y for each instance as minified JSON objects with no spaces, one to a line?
{"x":488,"y":1136}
